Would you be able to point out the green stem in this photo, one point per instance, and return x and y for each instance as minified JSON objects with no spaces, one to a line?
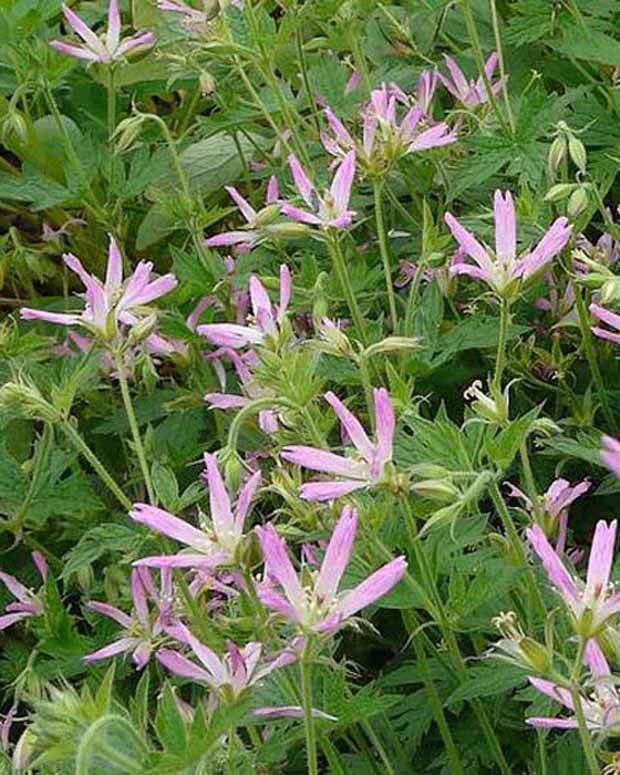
{"x":475,"y":41}
{"x":83,"y":448}
{"x":306,"y":687}
{"x":335,"y":251}
{"x":586,"y":740}
{"x":542,"y":752}
{"x":502,"y":69}
{"x":385,"y":252}
{"x":304,"y":77}
{"x":111,"y":106}
{"x":413,"y":298}
{"x":362,"y":363}
{"x":530,"y":483}
{"x":500,"y":358}
{"x":133,"y":425}
{"x":258,"y":405}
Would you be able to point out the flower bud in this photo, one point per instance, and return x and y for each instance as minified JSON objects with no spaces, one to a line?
{"x":126,"y":132}
{"x":577,"y":152}
{"x":535,"y":654}
{"x":287,"y":230}
{"x":25,"y":400}
{"x":142,"y":329}
{"x":23,"y":752}
{"x":560,"y":191}
{"x":435,"y":260}
{"x":610,"y":291}
{"x":391,"y":344}
{"x":578,"y":202}
{"x":334,"y":337}
{"x":267,"y":215}
{"x":557,"y":153}
{"x":440,"y":490}
{"x":206,"y":82}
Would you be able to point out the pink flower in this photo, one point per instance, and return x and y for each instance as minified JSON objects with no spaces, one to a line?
{"x":610,"y":319}
{"x":331,"y":209}
{"x":554,"y":504}
{"x":229,"y":675}
{"x":247,"y":238}
{"x":470,"y":93}
{"x":382,"y":128}
{"x":590,"y":604}
{"x":365,"y":469}
{"x":27,"y":602}
{"x":601,"y":710}
{"x":217,"y":542}
{"x":107,"y":48}
{"x":142,"y":628}
{"x":267,"y":318}
{"x":502,"y":269}
{"x":267,"y":419}
{"x":610,"y":454}
{"x":112,"y":302}
{"x":318,"y":607}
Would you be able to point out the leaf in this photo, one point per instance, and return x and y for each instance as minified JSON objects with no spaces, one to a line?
{"x":107,"y":538}
{"x":503,"y":448}
{"x":488,"y":680}
{"x":166,"y":486}
{"x":111,"y":746}
{"x":588,"y":44}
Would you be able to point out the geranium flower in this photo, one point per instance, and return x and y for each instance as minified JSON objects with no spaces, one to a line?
{"x":365,"y":469}
{"x":318,"y":606}
{"x":610,"y":319}
{"x":470,"y":93}
{"x":107,"y":48}
{"x":112,"y":302}
{"x":27,"y":603}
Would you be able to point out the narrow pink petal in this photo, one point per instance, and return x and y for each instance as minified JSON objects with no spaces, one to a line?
{"x":261,"y":303}
{"x":152,"y":291}
{"x":276,"y":602}
{"x":82,"y":29}
{"x":138,"y":593}
{"x":556,"y":572}
{"x":338,"y":128}
{"x":601,"y":559}
{"x":469,"y":243}
{"x":610,"y":454}
{"x":9,"y":619}
{"x":374,"y":587}
{"x":337,"y":556}
{"x":302,"y":182}
{"x":290,"y":711}
{"x":141,"y":40}
{"x":491,"y":64}
{"x":183,"y":667}
{"x":225,"y":401}
{"x":352,"y":425}
{"x":41,"y":564}
{"x":78,"y":52}
{"x":219,"y":501}
{"x":343,"y":180}
{"x":461,"y":87}
{"x":544,"y":722}
{"x":65,"y":319}
{"x":16,"y":588}
{"x":244,"y":501}
{"x":556,"y":693}
{"x":610,"y":318}
{"x":285,"y":290}
{"x":111,"y":611}
{"x":320,"y":460}
{"x":435,"y":137}
{"x":229,"y":238}
{"x":114,"y":271}
{"x":595,"y":660}
{"x":114,"y":25}
{"x":550,"y":245}
{"x":273,"y":190}
{"x":248,"y":212}
{"x":278,"y":563}
{"x":202,"y":561}
{"x":603,"y":333}
{"x":230,"y":334}
{"x":209,"y":659}
{"x":167,"y":524}
{"x":297,"y":214}
{"x":505,"y":227}
{"x":385,"y":423}
{"x":117,"y":647}
{"x":328,"y":491}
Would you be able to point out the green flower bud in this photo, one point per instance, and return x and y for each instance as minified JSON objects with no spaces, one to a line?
{"x":578,"y":202}
{"x":557,"y":153}
{"x":560,"y":191}
{"x":577,"y":152}
{"x":142,"y":329}
{"x":391,"y":344}
{"x":287,"y":230}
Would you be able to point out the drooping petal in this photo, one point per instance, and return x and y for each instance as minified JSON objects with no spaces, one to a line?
{"x":16,"y":588}
{"x":167,"y":524}
{"x":604,"y":315}
{"x":9,"y":619}
{"x":41,"y":564}
{"x":111,"y":611}
{"x":556,"y":572}
{"x":320,"y":460}
{"x":556,"y":693}
{"x":375,"y":586}
{"x":337,"y":555}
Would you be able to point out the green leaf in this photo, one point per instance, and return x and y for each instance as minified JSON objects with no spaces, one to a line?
{"x":488,"y":680}
{"x":588,"y":44}
{"x":166,"y":486}
{"x":503,"y":448}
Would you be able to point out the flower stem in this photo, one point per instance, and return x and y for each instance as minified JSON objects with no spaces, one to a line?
{"x":584,"y":735}
{"x":377,"y":188}
{"x":83,"y":448}
{"x":133,"y":424}
{"x":306,"y":687}
{"x":502,"y":70}
{"x":111,"y":106}
{"x":500,"y":359}
{"x":345,"y":283}
{"x":304,"y":76}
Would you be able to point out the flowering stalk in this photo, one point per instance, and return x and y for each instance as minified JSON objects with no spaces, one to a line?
{"x":305,"y":667}
{"x":335,"y":251}
{"x":377,"y":188}
{"x":133,"y":425}
{"x":584,"y":734}
{"x":500,"y":360}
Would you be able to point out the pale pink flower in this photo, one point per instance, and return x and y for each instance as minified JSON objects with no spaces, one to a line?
{"x":610,"y":319}
{"x":601,"y":709}
{"x":610,"y":454}
{"x":364,"y":469}
{"x":267,"y":419}
{"x":502,"y":269}
{"x":27,"y":603}
{"x":592,"y":603}
{"x":554,"y":504}
{"x":102,"y":49}
{"x":144,"y":626}
{"x":246,"y":239}
{"x":112,"y":302}
{"x":267,"y":318}
{"x":215,"y":543}
{"x":470,"y":93}
{"x":330,"y":210}
{"x":228,"y":676}
{"x":319,"y":607}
